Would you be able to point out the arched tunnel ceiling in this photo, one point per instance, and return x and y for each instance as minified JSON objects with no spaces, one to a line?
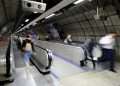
{"x":79,"y":21}
{"x":80,"y":18}
{"x":10,"y":11}
{"x":88,"y":6}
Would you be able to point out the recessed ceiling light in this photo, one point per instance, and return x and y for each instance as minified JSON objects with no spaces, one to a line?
{"x":35,"y":12}
{"x":26,"y":20}
{"x":78,"y":1}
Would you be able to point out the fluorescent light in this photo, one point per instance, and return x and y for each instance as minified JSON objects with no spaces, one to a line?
{"x":50,"y":16}
{"x":78,"y":1}
{"x":35,"y":12}
{"x":26,"y":20}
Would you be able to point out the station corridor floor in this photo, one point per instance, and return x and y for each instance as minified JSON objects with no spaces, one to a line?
{"x":62,"y":73}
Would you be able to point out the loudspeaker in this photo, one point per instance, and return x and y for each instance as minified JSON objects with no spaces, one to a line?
{"x":33,"y":6}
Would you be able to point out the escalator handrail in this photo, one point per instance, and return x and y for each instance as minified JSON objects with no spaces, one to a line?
{"x":9,"y":59}
{"x":48,"y":55}
{"x":47,"y":50}
{"x":8,"y":62}
{"x":12,"y":56}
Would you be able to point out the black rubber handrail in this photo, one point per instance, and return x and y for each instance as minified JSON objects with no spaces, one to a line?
{"x":8,"y":66}
{"x":49,"y":57}
{"x":41,"y":47}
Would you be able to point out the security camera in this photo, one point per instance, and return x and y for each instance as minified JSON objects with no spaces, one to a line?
{"x":33,"y":6}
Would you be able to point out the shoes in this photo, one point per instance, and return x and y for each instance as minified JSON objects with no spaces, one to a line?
{"x":7,"y":75}
{"x":112,"y":70}
{"x":82,"y":63}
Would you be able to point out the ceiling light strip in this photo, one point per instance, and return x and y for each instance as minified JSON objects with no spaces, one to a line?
{"x":78,"y":1}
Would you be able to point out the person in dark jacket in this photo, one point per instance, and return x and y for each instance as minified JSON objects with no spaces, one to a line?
{"x":88,"y":49}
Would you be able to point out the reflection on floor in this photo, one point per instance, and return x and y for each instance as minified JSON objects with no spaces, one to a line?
{"x":62,"y":68}
{"x":69,"y":75}
{"x":18,"y":57}
{"x":103,"y":78}
{"x":31,"y":77}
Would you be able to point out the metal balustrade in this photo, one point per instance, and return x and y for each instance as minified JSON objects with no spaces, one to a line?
{"x":42,"y":59}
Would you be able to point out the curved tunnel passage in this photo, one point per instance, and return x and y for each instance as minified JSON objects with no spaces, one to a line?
{"x":63,"y":63}
{"x":79,"y":21}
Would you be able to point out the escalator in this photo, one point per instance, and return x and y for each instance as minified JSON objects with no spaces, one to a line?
{"x":34,"y":74}
{"x":43,"y":59}
{"x":7,"y":67}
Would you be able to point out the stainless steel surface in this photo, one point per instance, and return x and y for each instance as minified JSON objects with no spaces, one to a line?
{"x":41,"y":56}
{"x":31,"y":77}
{"x":3,"y":59}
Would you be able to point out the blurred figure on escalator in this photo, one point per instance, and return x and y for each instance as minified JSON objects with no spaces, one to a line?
{"x":90,"y":44}
{"x":28,"y":48}
{"x":88,"y":48}
{"x":68,"y":39}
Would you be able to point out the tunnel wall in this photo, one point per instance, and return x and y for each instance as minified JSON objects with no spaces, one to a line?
{"x":79,"y":21}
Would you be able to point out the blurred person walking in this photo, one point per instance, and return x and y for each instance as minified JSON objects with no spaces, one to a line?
{"x":107,"y":43}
